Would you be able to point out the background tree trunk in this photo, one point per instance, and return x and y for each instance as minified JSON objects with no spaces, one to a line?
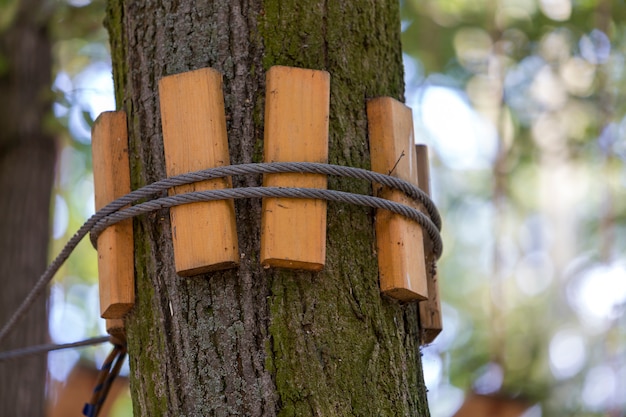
{"x":27,"y":157}
{"x":250,"y":341}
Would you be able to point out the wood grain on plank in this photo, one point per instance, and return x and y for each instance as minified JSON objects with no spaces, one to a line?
{"x":296,"y":130}
{"x":194,"y":138}
{"x":115,"y":244}
{"x":400,"y":242}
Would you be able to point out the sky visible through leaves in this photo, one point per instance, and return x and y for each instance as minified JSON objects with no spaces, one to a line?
{"x":520,"y":102}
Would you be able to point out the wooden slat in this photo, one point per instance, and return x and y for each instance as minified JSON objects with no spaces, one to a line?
{"x":115,"y":327}
{"x":400,"y":242}
{"x":115,"y":244}
{"x":296,"y":129}
{"x":194,"y":138}
{"x":430,"y":310}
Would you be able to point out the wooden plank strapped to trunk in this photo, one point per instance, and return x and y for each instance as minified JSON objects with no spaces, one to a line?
{"x":296,"y":130}
{"x":115,"y":244}
{"x":194,"y":137}
{"x":430,"y":310}
{"x":400,"y":242}
{"x":115,"y":327}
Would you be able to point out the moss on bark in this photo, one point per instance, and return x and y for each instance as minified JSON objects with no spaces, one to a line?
{"x":254,"y":342}
{"x":338,"y":348}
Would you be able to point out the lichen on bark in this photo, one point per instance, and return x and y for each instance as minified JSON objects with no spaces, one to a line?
{"x":250,"y":341}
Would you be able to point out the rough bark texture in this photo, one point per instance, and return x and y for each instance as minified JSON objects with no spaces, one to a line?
{"x":27,"y":156}
{"x":256,"y":342}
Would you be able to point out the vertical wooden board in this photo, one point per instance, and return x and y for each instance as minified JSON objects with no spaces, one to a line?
{"x":400,"y":242}
{"x":423,"y":168}
{"x":194,"y":138}
{"x":115,"y":244}
{"x":431,"y":321}
{"x":115,"y":327}
{"x":296,"y":129}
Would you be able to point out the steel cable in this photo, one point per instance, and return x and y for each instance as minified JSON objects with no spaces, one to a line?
{"x":115,"y":211}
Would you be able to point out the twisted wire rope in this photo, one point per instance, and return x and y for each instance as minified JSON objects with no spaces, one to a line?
{"x":49,"y":347}
{"x":272,"y":192}
{"x":115,"y":211}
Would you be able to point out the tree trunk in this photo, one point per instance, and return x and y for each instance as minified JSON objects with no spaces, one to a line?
{"x":250,"y":341}
{"x":27,"y":157}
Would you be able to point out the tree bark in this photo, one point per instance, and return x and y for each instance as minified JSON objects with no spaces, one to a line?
{"x":27,"y":157}
{"x":250,"y":341}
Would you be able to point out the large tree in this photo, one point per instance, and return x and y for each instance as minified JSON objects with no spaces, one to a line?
{"x":27,"y":158}
{"x":252,"y":341}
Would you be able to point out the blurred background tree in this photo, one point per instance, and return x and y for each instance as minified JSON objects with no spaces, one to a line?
{"x":519,"y":101}
{"x":27,"y":158}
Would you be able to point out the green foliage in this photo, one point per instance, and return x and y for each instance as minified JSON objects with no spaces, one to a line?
{"x":526,"y":233}
{"x":8,"y":10}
